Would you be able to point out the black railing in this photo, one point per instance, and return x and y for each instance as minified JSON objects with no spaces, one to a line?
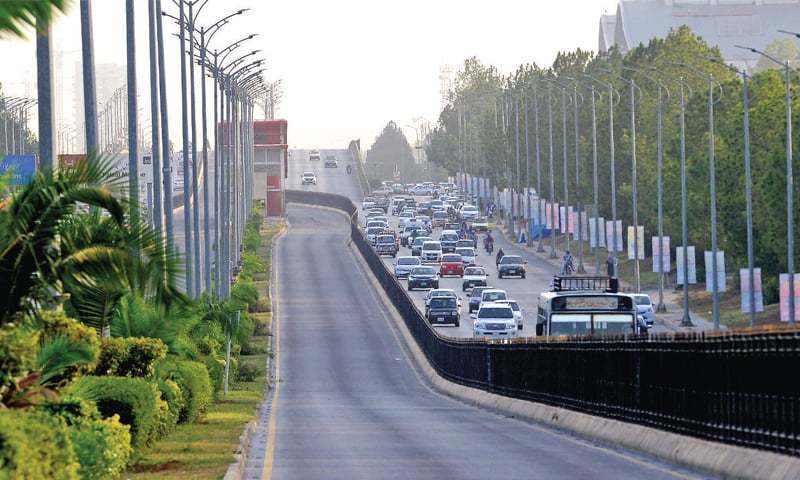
{"x":735,"y":388}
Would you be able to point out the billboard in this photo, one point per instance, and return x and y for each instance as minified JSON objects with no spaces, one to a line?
{"x":614,"y":244}
{"x":636,"y":243}
{"x":597,"y":232}
{"x":744,"y":275}
{"x":22,"y":168}
{"x":784,"y":288}
{"x":661,"y":255}
{"x":720,"y":271}
{"x":690,"y":261}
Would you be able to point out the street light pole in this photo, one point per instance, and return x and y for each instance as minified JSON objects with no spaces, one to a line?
{"x":187,"y":217}
{"x":528,"y":239}
{"x":133,"y":139}
{"x":44,"y":87}
{"x":553,"y":213}
{"x":165,"y":143}
{"x":154,"y":119}
{"x":89,"y":91}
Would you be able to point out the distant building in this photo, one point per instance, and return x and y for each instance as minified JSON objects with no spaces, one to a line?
{"x":724,"y":23}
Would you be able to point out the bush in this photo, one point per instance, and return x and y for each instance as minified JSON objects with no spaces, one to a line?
{"x":54,"y":324}
{"x":103,"y":447}
{"x":136,"y":401}
{"x":248,"y":372}
{"x":130,"y":357}
{"x":216,"y":372}
{"x":35,"y":445}
{"x":71,"y":409}
{"x":195,"y":385}
{"x":18,"y":348}
{"x":172,"y":395}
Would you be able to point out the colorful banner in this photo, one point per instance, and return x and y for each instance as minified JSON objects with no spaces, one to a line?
{"x":744,"y":276}
{"x":614,"y":244}
{"x":692,"y":268}
{"x":572,"y":220}
{"x":584,"y":230}
{"x":661,"y":255}
{"x":720,"y":271}
{"x":597,"y":232}
{"x":784,"y":287}
{"x":556,"y":216}
{"x":562,"y":219}
{"x":22,"y":166}
{"x":636,"y":245}
{"x":548,"y":215}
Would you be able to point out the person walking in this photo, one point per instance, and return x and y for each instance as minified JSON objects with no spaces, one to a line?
{"x":567,"y":264}
{"x":499,"y":257}
{"x":611,"y":266}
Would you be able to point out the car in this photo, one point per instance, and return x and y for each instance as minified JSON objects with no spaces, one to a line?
{"x":511,"y":265}
{"x":517,"y":311}
{"x":495,"y":320}
{"x":431,"y":252}
{"x":468,"y":212}
{"x":425,"y":220}
{"x":313,"y":155}
{"x":386,"y":245}
{"x":644,"y":308}
{"x":309,"y":178}
{"x":383,"y":191}
{"x":452,"y":226}
{"x":423,"y":276}
{"x":449,"y":239}
{"x":397,"y":188}
{"x":475,"y":297}
{"x":493,"y":295}
{"x":331,"y":163}
{"x":397,"y":205}
{"x":473,"y":277}
{"x":403,"y":218}
{"x":452,"y":264}
{"x":443,"y":311}
{"x":480,"y":224}
{"x":468,"y":255}
{"x":465,"y":243}
{"x":440,"y":292}
{"x":439,"y":218}
{"x":367,"y":205}
{"x":404,"y":265}
{"x":408,"y":233}
{"x":376,"y":223}
{"x":416,"y":245}
{"x":372,"y":234}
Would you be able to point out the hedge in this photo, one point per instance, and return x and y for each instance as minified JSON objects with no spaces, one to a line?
{"x":103,"y":447}
{"x":55,"y":323}
{"x":130,"y":357}
{"x":35,"y":445}
{"x":194,"y":382}
{"x":173,"y":396}
{"x":18,"y":347}
{"x":136,"y":400}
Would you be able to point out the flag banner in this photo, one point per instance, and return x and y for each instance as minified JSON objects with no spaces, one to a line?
{"x":690,"y":260}
{"x":744,"y":276}
{"x":784,"y":287}
{"x":636,"y":245}
{"x":556,"y":216}
{"x":572,"y":220}
{"x":562,"y":218}
{"x":720,"y":271}
{"x":584,"y":226}
{"x":543,"y":205}
{"x":548,"y":215}
{"x":597,"y":232}
{"x":661,"y":255}
{"x":614,"y":244}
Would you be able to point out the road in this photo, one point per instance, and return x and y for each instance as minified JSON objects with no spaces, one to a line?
{"x":349,"y":404}
{"x":524,"y":291}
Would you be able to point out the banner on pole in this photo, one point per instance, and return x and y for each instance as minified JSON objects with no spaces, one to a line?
{"x":597,"y":232}
{"x":784,"y":287}
{"x":636,"y":244}
{"x":548,"y":215}
{"x":744,"y":276}
{"x":690,"y":260}
{"x":584,"y":226}
{"x":562,"y":218}
{"x":572,"y":220}
{"x":614,"y":244}
{"x":556,"y":217}
{"x":720,"y":271}
{"x":661,"y":255}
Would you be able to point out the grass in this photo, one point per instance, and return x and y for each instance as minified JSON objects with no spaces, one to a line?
{"x":204,"y":449}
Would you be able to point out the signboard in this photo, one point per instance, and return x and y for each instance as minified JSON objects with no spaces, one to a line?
{"x":784,"y":287}
{"x":692,"y":269}
{"x":597,"y":232}
{"x":22,"y":168}
{"x":556,"y":216}
{"x":572,"y":220}
{"x":636,"y":245}
{"x":744,"y":276}
{"x":584,"y":230}
{"x":615,"y":244}
{"x":562,"y":215}
{"x":710,"y":271}
{"x":661,"y":255}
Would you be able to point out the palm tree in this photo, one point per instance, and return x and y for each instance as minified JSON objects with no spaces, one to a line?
{"x":15,"y":14}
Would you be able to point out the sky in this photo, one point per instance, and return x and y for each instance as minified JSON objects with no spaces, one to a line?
{"x":347,"y":67}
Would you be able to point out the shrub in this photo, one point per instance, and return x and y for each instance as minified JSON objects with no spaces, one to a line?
{"x":248,"y":372}
{"x":103,"y":447}
{"x":130,"y":357}
{"x":216,"y":372}
{"x":194,"y":382}
{"x":18,"y":349}
{"x":136,"y":401}
{"x":71,"y":409}
{"x":172,"y":395}
{"x":35,"y":445}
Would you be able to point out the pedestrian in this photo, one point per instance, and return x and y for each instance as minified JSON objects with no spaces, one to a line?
{"x":611,"y":266}
{"x":567,"y":264}
{"x":499,"y":256}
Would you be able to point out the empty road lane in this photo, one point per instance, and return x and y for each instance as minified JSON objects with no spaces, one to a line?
{"x":349,"y":405}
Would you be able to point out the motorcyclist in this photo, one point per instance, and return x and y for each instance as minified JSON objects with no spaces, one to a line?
{"x":567,"y":264}
{"x":500,"y":255}
{"x":488,"y":242}
{"x":349,"y":169}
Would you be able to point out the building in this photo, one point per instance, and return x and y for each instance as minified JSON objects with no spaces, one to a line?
{"x":724,"y":23}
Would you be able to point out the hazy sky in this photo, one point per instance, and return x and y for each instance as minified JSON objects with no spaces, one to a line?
{"x":348,"y":66}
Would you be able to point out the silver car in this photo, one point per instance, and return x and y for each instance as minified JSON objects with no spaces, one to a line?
{"x":404,"y":265}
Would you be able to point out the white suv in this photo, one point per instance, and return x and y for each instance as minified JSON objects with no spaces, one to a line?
{"x":495,"y":320}
{"x":431,"y":252}
{"x":309,"y":178}
{"x":468,"y":212}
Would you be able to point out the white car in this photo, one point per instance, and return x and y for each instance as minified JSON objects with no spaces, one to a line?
{"x":518,"y":316}
{"x":495,"y":320}
{"x":467,"y":255}
{"x":403,"y":218}
{"x":468,"y":212}
{"x":404,"y":265}
{"x":473,"y":277}
{"x":416,"y":245}
{"x":367,"y":205}
{"x":372,"y":234}
{"x":376,"y":223}
{"x":493,"y":295}
{"x":431,"y":252}
{"x":309,"y":178}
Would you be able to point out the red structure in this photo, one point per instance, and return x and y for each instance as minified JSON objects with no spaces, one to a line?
{"x":269,"y":163}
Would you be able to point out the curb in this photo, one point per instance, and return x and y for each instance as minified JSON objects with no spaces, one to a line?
{"x":717,"y":459}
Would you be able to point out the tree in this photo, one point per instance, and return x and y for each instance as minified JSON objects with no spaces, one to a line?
{"x":783,"y":49}
{"x":391,"y":157}
{"x":15,"y":14}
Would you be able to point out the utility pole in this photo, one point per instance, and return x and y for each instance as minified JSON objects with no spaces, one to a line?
{"x":187,"y":179}
{"x":133,"y":139}
{"x":44,"y":87}
{"x":165,"y":144}
{"x":155,"y":119}
{"x":89,"y":91}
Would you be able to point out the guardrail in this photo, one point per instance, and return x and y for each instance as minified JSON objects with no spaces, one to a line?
{"x":736,"y":388}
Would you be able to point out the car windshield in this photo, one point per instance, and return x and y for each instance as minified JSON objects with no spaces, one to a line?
{"x":511,"y":260}
{"x":386,"y":239}
{"x":443,"y":302}
{"x":408,"y":261}
{"x":451,"y":258}
{"x":419,"y":241}
{"x":440,"y":215}
{"x":308,"y":174}
{"x":448,"y":237}
{"x":465,"y":252}
{"x":474,"y":271}
{"x":492,"y":296}
{"x":431,"y":246}
{"x":469,"y":209}
{"x":423,"y":271}
{"x":374,"y":230}
{"x":642,"y":299}
{"x":476,"y":292}
{"x":480,"y":220}
{"x":514,"y":305}
{"x":495,"y":312}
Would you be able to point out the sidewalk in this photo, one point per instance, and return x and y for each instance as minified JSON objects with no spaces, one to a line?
{"x":673,"y":300}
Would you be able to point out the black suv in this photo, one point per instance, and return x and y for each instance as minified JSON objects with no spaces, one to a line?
{"x":444,"y":311}
{"x":423,"y":277}
{"x":512,"y":265}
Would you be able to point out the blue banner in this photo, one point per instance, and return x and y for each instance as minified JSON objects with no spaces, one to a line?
{"x":23,"y":167}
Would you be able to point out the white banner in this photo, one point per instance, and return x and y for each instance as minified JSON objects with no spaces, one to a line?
{"x":614,"y":244}
{"x":572,"y":220}
{"x":744,"y":277}
{"x":562,"y":218}
{"x":636,"y":245}
{"x":784,"y":287}
{"x":548,"y":215}
{"x":597,"y":232}
{"x":661,"y":255}
{"x":720,"y":271}
{"x":556,"y":217}
{"x":584,"y":226}
{"x":692,"y":269}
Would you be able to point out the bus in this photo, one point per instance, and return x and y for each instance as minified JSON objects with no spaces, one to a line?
{"x":581,"y":306}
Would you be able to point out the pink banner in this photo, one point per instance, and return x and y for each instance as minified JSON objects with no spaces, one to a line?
{"x":784,"y":286}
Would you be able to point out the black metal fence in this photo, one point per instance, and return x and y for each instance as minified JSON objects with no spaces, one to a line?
{"x":737,"y":388}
